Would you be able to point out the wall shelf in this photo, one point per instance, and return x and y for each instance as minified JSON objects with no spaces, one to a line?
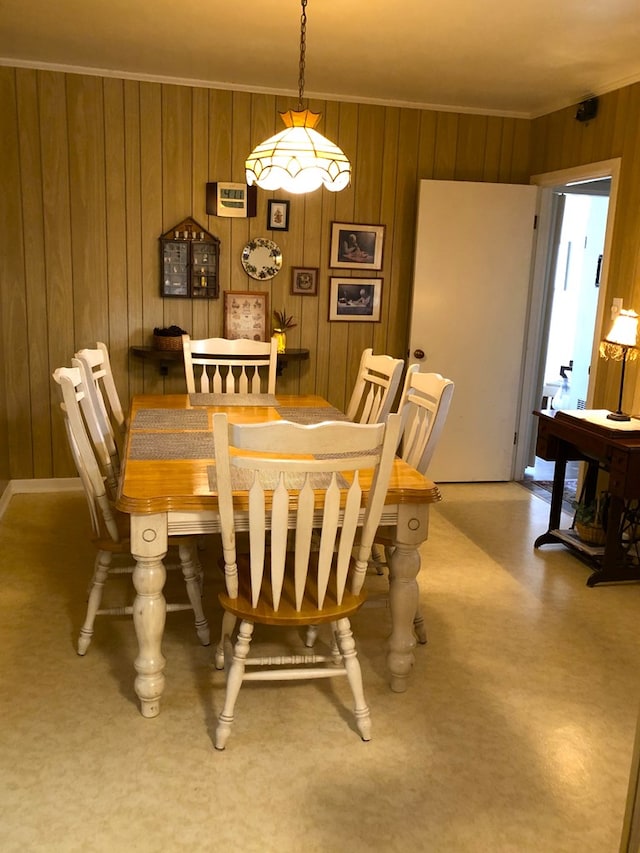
{"x":166,"y":358}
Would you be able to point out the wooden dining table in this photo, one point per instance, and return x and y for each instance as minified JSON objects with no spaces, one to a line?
{"x":167,"y":486}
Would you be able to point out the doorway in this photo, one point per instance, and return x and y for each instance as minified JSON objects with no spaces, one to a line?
{"x":567,"y":298}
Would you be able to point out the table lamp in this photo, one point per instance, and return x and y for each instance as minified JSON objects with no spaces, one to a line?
{"x":620,"y":344}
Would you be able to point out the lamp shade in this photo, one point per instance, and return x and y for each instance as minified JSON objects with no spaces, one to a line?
{"x":624,"y":331}
{"x":298,"y":159}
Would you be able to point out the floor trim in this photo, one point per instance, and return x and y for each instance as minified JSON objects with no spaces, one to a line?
{"x":53,"y":484}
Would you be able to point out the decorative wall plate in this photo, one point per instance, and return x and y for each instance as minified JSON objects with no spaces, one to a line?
{"x":261,"y":258}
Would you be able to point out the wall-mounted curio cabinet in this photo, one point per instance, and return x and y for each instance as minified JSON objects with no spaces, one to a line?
{"x":189,"y":262}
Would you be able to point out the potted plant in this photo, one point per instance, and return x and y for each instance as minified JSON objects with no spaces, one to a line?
{"x":284,"y":321}
{"x":590,"y":519}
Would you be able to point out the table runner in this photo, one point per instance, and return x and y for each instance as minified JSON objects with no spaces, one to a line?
{"x":171,"y":445}
{"x":172,"y":419}
{"x":310,"y":414}
{"x":242,"y":479}
{"x":233,"y":400}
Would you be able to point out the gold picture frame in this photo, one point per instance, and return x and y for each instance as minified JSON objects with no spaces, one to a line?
{"x":246,"y":314}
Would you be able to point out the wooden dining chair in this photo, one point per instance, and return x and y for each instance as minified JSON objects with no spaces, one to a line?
{"x":222,"y":366}
{"x":375,"y":389}
{"x":97,"y":365}
{"x":111,"y":527}
{"x":424,"y":406}
{"x":99,"y":426}
{"x":305,"y":478}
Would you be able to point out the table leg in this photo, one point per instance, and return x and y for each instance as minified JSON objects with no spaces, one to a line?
{"x":411,"y":531}
{"x":148,"y":547}
{"x":555,"y":511}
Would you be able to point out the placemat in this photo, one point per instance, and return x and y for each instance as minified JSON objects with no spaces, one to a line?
{"x":171,"y":445}
{"x":174,"y":419}
{"x":310,"y":414}
{"x":233,"y":400}
{"x":242,"y":479}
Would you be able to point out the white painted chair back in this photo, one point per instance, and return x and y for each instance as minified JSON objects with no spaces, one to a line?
{"x":97,"y":364}
{"x":110,"y":527}
{"x":221,"y":366}
{"x":424,"y":407}
{"x":296,"y":472}
{"x":99,"y":427}
{"x":300,"y":479}
{"x":72,"y":390}
{"x":375,"y":389}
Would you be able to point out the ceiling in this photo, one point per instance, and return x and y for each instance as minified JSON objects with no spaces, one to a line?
{"x":522,"y":58}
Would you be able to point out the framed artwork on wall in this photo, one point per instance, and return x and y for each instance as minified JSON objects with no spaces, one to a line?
{"x":245,"y":315}
{"x":355,"y":300}
{"x":356,"y":246}
{"x":304,"y":281}
{"x":277,"y":215}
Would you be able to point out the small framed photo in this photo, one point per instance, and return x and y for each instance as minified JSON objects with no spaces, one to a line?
{"x":235,"y":200}
{"x":246,"y":315}
{"x":304,"y":281}
{"x":355,"y":299}
{"x":356,"y":246}
{"x":277,"y":215}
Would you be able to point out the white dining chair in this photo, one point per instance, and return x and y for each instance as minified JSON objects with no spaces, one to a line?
{"x":223,"y":366}
{"x":97,"y":365}
{"x":111,"y":527}
{"x":305,"y":478}
{"x":99,"y":427}
{"x":424,"y":406}
{"x":375,"y":389}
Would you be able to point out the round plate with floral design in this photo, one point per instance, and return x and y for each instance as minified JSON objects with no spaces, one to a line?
{"x":261,"y":258}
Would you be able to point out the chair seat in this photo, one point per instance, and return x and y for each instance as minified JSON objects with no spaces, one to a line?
{"x":287,"y":615}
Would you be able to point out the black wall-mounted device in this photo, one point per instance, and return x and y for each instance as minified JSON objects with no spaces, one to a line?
{"x":587,"y":109}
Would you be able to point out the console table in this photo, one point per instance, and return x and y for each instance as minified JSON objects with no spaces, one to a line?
{"x":165,"y":358}
{"x":586,"y":435}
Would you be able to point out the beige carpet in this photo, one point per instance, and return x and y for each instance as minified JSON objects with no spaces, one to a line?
{"x":515,"y":734}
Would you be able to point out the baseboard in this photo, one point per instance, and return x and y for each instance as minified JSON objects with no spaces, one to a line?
{"x":53,"y":484}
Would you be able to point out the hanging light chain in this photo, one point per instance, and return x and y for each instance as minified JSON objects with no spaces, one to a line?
{"x":303,"y":48}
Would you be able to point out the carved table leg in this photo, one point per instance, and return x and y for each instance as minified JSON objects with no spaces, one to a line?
{"x":148,"y":547}
{"x":411,"y":531}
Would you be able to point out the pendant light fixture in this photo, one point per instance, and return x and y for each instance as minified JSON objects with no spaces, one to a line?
{"x":298,"y":159}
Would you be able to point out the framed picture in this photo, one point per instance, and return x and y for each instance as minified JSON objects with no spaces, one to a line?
{"x":355,"y":299}
{"x":246,"y":314}
{"x":304,"y":281}
{"x":227,"y":199}
{"x":356,"y":246}
{"x":277,"y":215}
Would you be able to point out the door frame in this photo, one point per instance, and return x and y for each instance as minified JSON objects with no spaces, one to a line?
{"x":540,"y":284}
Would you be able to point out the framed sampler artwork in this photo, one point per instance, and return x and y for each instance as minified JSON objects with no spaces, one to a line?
{"x":246,"y":315}
{"x":304,"y":281}
{"x":355,"y":300}
{"x":356,"y":246}
{"x":277,"y":215}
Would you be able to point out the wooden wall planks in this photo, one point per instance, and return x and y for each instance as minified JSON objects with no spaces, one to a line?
{"x":558,"y":141}
{"x":96,"y":169}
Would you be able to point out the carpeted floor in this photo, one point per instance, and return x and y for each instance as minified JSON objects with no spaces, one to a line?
{"x":515,"y":735}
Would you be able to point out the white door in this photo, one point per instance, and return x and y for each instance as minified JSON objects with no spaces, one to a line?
{"x":474,"y":248}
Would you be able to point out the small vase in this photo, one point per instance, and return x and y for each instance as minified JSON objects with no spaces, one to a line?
{"x":282,"y":340}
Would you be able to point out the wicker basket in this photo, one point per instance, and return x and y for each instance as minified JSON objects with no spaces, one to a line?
{"x":167,"y":342}
{"x":593,"y":534}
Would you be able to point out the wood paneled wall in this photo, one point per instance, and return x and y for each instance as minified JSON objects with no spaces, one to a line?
{"x":559,"y":142}
{"x":95,"y":169}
